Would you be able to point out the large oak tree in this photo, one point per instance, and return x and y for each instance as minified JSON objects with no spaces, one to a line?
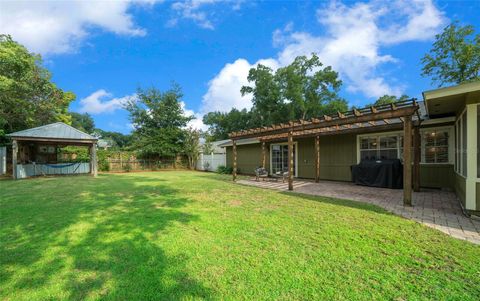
{"x":28,"y":97}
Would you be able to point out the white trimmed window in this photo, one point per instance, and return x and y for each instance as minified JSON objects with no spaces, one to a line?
{"x":436,"y":146}
{"x":379,"y":147}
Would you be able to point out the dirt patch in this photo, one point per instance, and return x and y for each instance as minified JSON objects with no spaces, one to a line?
{"x":234,"y":203}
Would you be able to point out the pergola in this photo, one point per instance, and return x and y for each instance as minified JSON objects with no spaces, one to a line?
{"x":400,"y":115}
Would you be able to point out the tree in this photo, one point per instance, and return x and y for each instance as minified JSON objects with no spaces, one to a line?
{"x":83,"y":122}
{"x":207,"y":147}
{"x":308,"y":88}
{"x":455,"y":56}
{"x":301,"y":90}
{"x":388,"y":99}
{"x":159,"y":122}
{"x":28,"y":98}
{"x":192,"y":146}
{"x":118,"y":140}
{"x":221,"y":124}
{"x":266,"y":96}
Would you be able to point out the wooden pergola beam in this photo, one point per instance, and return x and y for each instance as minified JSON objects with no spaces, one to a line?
{"x":234,"y":153}
{"x":323,"y":132}
{"x":290,"y":160}
{"x":407,"y":161}
{"x":398,"y":113}
{"x":416,"y":158}
{"x":317,"y":159}
{"x":264,"y":155}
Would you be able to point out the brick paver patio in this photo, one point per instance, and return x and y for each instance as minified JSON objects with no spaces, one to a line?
{"x":434,"y":208}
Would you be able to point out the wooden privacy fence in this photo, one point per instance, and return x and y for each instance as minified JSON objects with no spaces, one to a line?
{"x":122,"y":165}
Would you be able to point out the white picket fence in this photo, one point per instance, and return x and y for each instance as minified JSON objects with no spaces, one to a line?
{"x":210,"y":162}
{"x":3,"y":160}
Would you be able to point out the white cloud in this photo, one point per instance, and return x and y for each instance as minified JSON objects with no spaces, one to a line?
{"x":101,"y":101}
{"x":48,"y":27}
{"x":224,"y":89}
{"x":194,"y":10}
{"x":191,"y":10}
{"x":196,"y":122}
{"x":352,"y":45}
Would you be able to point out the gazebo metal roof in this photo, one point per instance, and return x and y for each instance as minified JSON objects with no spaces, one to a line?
{"x":54,"y":131}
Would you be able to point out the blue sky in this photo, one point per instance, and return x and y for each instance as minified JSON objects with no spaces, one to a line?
{"x":103,"y":51}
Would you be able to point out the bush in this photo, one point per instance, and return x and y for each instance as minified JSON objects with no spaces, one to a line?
{"x":127,"y":167}
{"x":224,"y":170}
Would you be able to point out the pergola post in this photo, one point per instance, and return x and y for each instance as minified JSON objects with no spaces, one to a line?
{"x":290,"y":160}
{"x":93,"y":159}
{"x":416,"y":159}
{"x":14,"y":158}
{"x":317,"y":159}
{"x":407,"y":161}
{"x":264,"y":155}
{"x":234,"y":152}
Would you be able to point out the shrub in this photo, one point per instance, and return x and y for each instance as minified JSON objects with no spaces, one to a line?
{"x":127,"y":167}
{"x":224,"y":170}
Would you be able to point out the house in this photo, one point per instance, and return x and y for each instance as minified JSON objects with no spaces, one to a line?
{"x":443,"y":130}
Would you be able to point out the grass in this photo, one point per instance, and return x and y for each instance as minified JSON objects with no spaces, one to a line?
{"x":191,"y":235}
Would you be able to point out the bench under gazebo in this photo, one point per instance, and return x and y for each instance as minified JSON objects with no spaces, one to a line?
{"x":35,"y":152}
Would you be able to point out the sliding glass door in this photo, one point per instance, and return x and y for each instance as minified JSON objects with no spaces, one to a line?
{"x":279,"y":157}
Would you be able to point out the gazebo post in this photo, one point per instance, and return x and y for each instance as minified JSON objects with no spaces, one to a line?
{"x":290,"y":160}
{"x":14,"y":158}
{"x":234,"y":151}
{"x":264,"y":154}
{"x":93,"y":159}
{"x":407,"y":161}
{"x":317,"y":159}
{"x":416,"y":159}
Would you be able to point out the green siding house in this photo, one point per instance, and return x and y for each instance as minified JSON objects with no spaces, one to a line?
{"x":449,"y":157}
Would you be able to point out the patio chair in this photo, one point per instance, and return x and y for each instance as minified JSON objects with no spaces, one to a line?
{"x":261,"y":172}
{"x":281,"y":174}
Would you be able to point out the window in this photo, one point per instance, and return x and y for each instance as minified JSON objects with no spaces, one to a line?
{"x":435,"y":146}
{"x":478,"y":141}
{"x":379,"y":147}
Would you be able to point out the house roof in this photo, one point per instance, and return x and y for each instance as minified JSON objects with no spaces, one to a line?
{"x":449,"y":100}
{"x":55,"y":131}
{"x":239,"y":142}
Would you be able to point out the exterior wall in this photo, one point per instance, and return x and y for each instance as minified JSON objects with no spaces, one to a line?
{"x":337,"y":154}
{"x":460,"y":186}
{"x":437,"y":176}
{"x":249,"y":157}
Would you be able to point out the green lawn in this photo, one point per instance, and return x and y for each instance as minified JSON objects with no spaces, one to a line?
{"x":192,"y":235}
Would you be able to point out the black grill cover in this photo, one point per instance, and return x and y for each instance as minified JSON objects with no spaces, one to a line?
{"x":378,"y":173}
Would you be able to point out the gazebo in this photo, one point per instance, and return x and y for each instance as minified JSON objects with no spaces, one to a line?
{"x":396,"y":116}
{"x":35,"y":151}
